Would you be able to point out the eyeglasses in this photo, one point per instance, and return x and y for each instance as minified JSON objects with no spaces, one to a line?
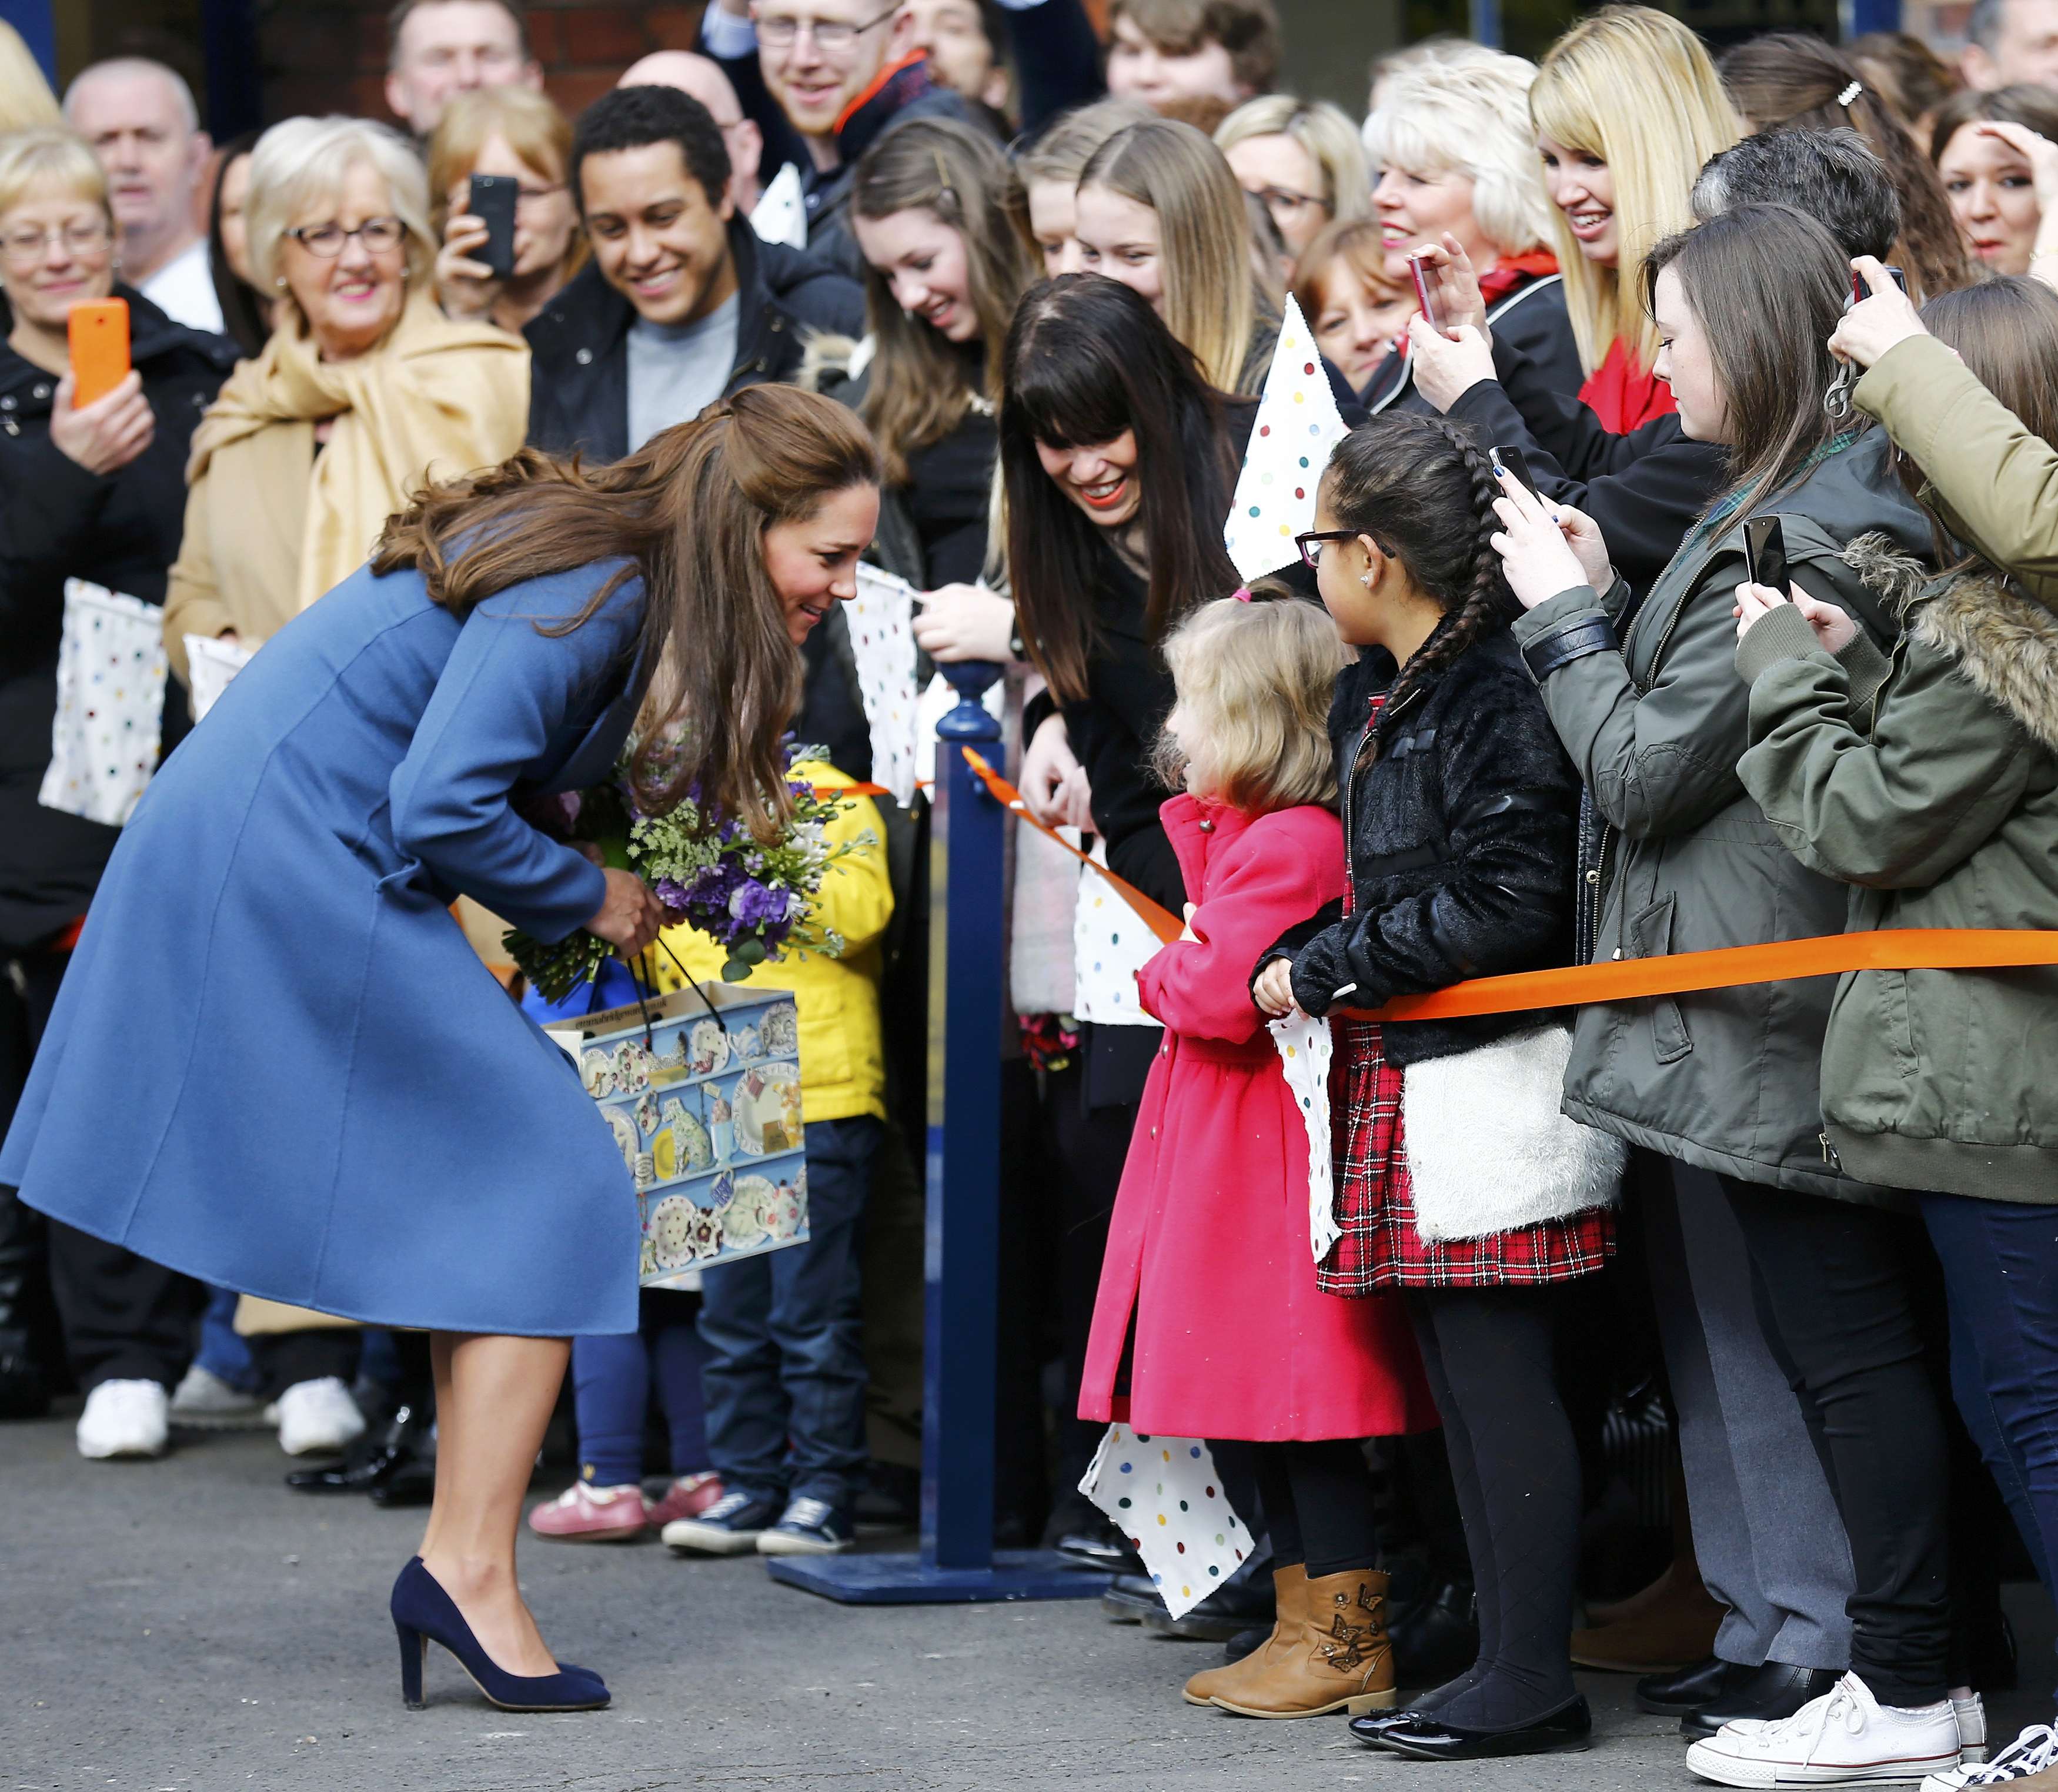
{"x":1284,"y":202}
{"x":86,"y":236}
{"x":833,"y":37}
{"x":379,"y":236}
{"x":1310,"y":544}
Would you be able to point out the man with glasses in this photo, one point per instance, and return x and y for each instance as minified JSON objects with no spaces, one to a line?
{"x":438,"y":48}
{"x":837,"y":75}
{"x":139,"y":117}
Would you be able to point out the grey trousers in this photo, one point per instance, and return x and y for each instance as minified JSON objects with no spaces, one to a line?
{"x":1770,"y":1544}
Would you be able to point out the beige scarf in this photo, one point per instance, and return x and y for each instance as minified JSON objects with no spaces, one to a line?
{"x":435,"y":399}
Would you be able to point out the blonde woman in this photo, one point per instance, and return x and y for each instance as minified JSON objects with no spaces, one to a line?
{"x":1047,"y":177}
{"x":521,"y":135}
{"x":1627,"y":106}
{"x":364,"y":391}
{"x":1159,"y":211}
{"x":1457,"y":162}
{"x":27,"y":102}
{"x":1302,"y":157}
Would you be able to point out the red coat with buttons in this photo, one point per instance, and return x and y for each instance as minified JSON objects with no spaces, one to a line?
{"x":1208,"y":1249}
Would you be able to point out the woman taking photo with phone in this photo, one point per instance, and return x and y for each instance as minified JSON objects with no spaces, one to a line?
{"x":94,"y":492}
{"x":431,"y":1160}
{"x":1728,"y":1082}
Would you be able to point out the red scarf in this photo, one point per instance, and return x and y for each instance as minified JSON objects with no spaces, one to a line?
{"x":1502,"y":279}
{"x":1622,"y":395}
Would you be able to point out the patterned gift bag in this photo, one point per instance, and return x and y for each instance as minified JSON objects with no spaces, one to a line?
{"x":1162,"y":1493}
{"x":111,"y":670}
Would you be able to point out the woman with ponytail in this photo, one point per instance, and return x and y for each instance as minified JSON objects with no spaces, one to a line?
{"x":367,"y":1126}
{"x":1460,"y":1184}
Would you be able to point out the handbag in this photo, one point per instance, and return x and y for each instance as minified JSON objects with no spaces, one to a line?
{"x":1488,"y":1150}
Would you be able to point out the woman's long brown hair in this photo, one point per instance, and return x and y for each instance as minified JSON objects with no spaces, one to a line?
{"x":686,"y":513}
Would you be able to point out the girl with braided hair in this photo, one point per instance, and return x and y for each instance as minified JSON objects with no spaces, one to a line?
{"x":1459,"y":1183}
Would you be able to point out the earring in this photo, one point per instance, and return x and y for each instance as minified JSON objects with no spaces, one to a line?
{"x":279,"y":280}
{"x":1365,"y":580}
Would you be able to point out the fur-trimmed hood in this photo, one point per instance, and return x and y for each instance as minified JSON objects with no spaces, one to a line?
{"x":2004,"y":643}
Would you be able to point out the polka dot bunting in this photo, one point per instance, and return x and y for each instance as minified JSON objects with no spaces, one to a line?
{"x":1110,"y":944}
{"x":1262,"y":521}
{"x":1177,"y":1519}
{"x":111,"y":672}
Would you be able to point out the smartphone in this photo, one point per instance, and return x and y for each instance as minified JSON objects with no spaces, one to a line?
{"x":492,"y":197}
{"x":1517,"y":462}
{"x":1860,"y":294}
{"x":99,"y":331}
{"x":1765,"y":553}
{"x":1421,"y":278}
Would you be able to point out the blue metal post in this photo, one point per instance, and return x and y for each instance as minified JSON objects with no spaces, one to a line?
{"x":961,"y":1258}
{"x":1486,"y":23}
{"x":1855,"y":17}
{"x":37,"y":21}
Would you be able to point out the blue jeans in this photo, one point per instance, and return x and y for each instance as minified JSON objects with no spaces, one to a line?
{"x":222,"y":1351}
{"x":2000,"y":1272}
{"x":612,"y":1375}
{"x":785,"y":1376}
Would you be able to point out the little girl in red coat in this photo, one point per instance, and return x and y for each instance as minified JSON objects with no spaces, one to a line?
{"x":1209,"y":1277}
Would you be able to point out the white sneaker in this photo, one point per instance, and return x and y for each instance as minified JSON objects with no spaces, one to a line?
{"x":2034,"y":1751}
{"x":1846,"y":1737}
{"x":124,"y":1418}
{"x":1972,"y":1715}
{"x":317,"y":1417}
{"x":205,"y":1401}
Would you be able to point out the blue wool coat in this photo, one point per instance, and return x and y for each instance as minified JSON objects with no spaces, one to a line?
{"x":275,"y":1063}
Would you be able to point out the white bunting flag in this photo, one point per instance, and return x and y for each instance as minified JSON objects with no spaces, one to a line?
{"x":1305,"y":1046}
{"x":1297,"y":424}
{"x":781,"y":214}
{"x":882,"y":640}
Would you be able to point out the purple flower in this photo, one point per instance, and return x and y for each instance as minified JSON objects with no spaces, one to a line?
{"x":755,"y":904}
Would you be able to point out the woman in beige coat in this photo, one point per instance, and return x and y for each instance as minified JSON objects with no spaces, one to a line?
{"x":365,"y":391}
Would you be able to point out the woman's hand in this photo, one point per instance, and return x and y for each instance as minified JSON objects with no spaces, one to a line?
{"x":1454,"y":287}
{"x":964,"y":623}
{"x":1447,"y":366}
{"x":629,"y":917}
{"x":1546,"y":549}
{"x":1273,"y":990}
{"x":1046,"y":762}
{"x":468,"y":289}
{"x":106,"y":434}
{"x":2041,"y":153}
{"x":1873,"y":325}
{"x":1834,"y":630}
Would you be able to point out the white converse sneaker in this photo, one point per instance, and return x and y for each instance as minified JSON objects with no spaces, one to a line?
{"x":124,"y":1419}
{"x":1972,"y":1714}
{"x":206,"y":1401}
{"x":317,"y":1417}
{"x":2034,"y":1751}
{"x":1846,"y":1737}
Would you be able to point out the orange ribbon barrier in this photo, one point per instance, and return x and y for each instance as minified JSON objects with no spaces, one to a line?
{"x":1161,"y":920}
{"x":1625,"y":980}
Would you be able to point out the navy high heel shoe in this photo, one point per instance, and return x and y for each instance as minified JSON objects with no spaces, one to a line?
{"x":423,"y":1613}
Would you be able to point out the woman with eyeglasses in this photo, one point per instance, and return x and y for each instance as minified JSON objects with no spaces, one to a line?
{"x":1302,"y":158}
{"x":364,"y":391}
{"x":521,"y":136}
{"x":94,"y":492}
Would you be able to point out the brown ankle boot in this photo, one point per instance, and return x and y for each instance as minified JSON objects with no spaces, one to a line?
{"x":1288,"y":1591}
{"x":1338,"y":1658}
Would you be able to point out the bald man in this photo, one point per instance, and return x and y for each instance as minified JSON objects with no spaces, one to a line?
{"x":704,"y":81}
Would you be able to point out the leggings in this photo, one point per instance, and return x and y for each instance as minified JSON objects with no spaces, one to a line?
{"x":1836,"y":1280}
{"x":611,"y":1378}
{"x":1489,"y":1355}
{"x":1318,"y":1505}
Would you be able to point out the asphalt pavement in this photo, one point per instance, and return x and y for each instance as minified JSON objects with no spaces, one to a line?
{"x":187,"y":1625}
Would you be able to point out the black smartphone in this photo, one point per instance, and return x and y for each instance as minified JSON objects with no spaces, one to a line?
{"x":1765,"y":553}
{"x":492,"y":197}
{"x":1507,"y":456}
{"x":1859,"y":293}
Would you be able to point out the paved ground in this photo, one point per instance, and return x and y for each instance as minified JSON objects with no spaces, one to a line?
{"x":188,"y":1625}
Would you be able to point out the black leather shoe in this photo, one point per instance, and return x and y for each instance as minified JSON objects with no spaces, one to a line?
{"x":24,"y":1392}
{"x":1374,"y":1725}
{"x":1674,"y":1695}
{"x":1773,"y":1692}
{"x":370,"y":1462}
{"x":1429,"y":1738}
{"x":1437,"y":1640}
{"x":1245,"y":1643}
{"x":1245,"y":1600}
{"x":412,"y":1483}
{"x":1132,"y":1598}
{"x":1100,"y":1547}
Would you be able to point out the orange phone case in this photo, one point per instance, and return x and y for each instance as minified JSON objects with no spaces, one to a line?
{"x":99,"y":333}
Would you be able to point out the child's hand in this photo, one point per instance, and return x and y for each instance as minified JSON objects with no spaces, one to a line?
{"x":1273,"y":990}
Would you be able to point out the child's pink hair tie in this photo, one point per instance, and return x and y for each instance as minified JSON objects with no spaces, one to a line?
{"x":1241,"y":594}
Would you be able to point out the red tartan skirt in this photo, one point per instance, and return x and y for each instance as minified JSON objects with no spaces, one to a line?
{"x":1375,"y":1201}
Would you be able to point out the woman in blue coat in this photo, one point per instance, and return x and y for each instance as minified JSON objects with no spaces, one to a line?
{"x":276,"y":1064}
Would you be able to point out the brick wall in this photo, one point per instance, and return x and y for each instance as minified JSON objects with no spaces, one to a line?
{"x":330,"y":55}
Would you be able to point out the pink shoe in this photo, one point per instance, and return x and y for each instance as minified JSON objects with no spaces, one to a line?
{"x":687,"y":1497}
{"x":584,"y":1513}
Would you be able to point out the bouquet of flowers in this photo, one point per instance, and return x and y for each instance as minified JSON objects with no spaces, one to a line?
{"x":705,"y":868}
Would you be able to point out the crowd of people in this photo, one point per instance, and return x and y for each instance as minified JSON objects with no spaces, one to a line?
{"x":964,"y":289}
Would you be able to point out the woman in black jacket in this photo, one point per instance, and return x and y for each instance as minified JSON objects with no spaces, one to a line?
{"x":95,"y":493}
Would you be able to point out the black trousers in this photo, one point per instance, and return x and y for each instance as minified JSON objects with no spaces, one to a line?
{"x":310,"y":1354}
{"x":1836,"y":1283}
{"x":123,"y":1318}
{"x":1318,"y":1504}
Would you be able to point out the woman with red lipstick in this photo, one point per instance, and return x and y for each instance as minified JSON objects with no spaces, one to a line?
{"x":1997,"y":156}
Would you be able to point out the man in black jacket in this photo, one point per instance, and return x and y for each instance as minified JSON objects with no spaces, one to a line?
{"x":682,"y":304}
